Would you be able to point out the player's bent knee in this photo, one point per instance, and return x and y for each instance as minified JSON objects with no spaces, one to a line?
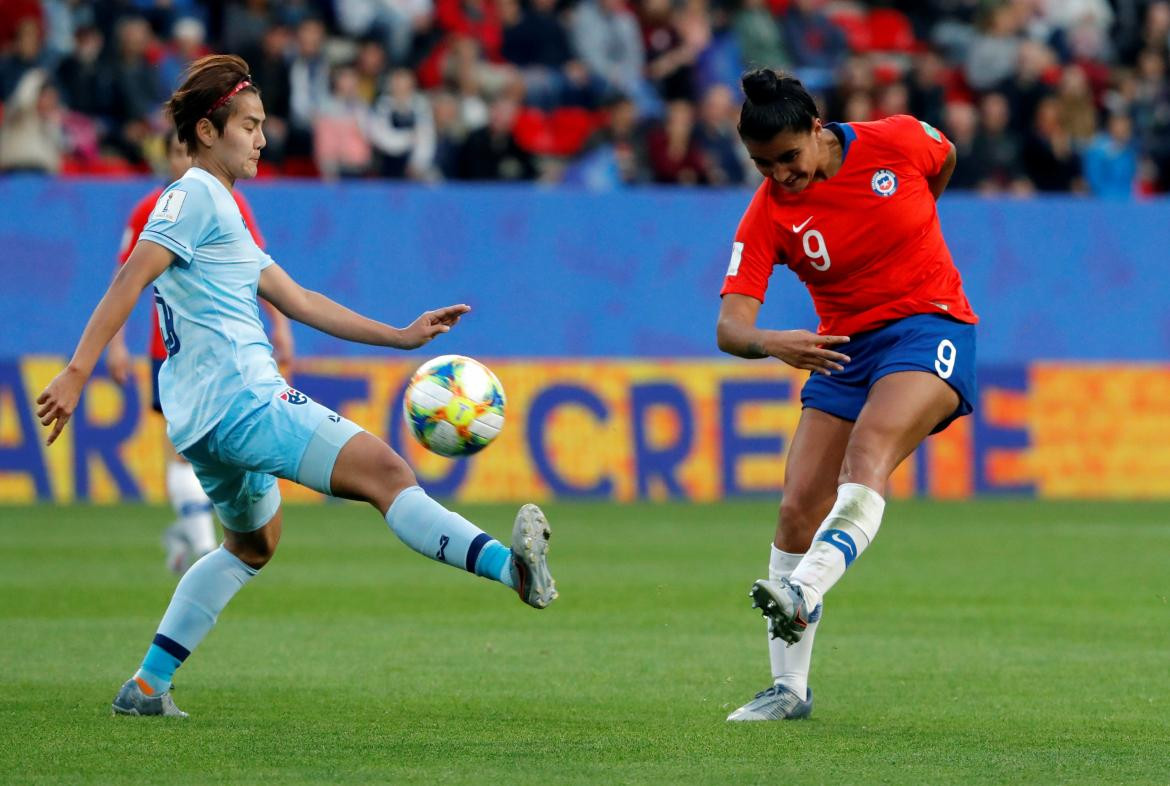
{"x":255,"y":548}
{"x":866,"y":464}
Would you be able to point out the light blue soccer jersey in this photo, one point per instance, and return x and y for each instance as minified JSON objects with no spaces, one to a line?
{"x":206,"y":301}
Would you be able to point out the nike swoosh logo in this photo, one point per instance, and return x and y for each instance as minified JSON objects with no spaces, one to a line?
{"x":796,"y":228}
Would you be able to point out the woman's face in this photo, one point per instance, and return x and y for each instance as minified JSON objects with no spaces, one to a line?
{"x":237,"y":150}
{"x":790,"y":158}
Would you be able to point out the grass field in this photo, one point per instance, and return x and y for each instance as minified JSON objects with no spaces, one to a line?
{"x":997,"y":642}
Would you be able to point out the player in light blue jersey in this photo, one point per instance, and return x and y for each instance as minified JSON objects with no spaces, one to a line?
{"x":229,"y":411}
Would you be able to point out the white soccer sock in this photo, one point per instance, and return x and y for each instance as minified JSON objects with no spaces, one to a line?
{"x":790,"y":664}
{"x":191,"y":506}
{"x":850,"y":527}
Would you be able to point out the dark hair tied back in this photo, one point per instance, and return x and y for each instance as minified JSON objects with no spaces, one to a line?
{"x":775,"y":103}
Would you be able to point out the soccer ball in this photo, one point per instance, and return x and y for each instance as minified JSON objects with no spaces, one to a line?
{"x":454,"y":405}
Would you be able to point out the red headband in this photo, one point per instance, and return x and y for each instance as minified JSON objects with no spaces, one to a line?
{"x":228,"y":96}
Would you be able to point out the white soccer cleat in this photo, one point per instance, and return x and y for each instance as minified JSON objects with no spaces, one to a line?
{"x":776,"y":703}
{"x":784,"y":606}
{"x":132,"y":701}
{"x":530,"y":536}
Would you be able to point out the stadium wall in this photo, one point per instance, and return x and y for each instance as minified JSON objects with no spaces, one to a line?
{"x":597,"y":313}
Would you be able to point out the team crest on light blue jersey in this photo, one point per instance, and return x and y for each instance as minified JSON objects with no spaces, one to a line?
{"x":884,"y":183}
{"x":294,"y":396}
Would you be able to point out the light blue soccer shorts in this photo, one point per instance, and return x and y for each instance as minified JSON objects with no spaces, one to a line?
{"x":270,"y":431}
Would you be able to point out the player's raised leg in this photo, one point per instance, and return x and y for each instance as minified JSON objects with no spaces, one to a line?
{"x":810,"y":488}
{"x":901,"y":410}
{"x":368,"y":469}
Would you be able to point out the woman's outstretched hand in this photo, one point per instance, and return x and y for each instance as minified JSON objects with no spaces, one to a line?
{"x":431,"y":324}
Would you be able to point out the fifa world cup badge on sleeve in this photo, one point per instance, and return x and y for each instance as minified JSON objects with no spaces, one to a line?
{"x":169,"y":205}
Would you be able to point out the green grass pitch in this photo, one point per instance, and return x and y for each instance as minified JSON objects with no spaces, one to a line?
{"x":997,"y":642}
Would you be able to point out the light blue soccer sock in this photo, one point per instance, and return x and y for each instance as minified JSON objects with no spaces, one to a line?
{"x":445,"y":536}
{"x":201,"y":595}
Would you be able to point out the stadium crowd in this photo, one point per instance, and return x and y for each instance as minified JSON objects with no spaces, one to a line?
{"x":1037,"y":95}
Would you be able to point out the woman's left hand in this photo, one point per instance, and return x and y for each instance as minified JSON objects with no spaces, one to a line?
{"x":431,"y":324}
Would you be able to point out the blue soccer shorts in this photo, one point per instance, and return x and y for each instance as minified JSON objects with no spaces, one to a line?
{"x":270,"y":431}
{"x":926,"y":342}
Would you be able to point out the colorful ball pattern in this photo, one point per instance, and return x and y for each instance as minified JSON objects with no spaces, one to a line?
{"x":454,"y":405}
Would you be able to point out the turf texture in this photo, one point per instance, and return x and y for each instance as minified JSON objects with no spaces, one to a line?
{"x":1007,"y":641}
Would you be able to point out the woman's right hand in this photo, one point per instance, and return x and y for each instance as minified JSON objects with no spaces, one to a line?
{"x":811,"y":351}
{"x":59,"y":400}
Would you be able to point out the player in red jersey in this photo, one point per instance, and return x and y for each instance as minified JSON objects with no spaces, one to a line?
{"x":193,"y":533}
{"x":850,"y":209}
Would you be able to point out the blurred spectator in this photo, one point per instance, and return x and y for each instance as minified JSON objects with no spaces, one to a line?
{"x":31,"y":135}
{"x":86,"y":78}
{"x":270,"y":72}
{"x":1037,"y":72}
{"x":674,"y":154}
{"x":537,"y":42}
{"x":477,"y":20}
{"x":1111,"y":162}
{"x":244,"y":24}
{"x":814,"y":42}
{"x":718,"y":139}
{"x":370,"y":65}
{"x":1154,"y":34}
{"x":308,"y":76}
{"x":961,"y":123}
{"x":997,"y":154}
{"x":992,"y":56}
{"x":893,"y":99}
{"x":670,"y":59}
{"x":858,"y":108}
{"x":1050,"y":154}
{"x":1151,"y":111}
{"x":606,"y":37}
{"x":402,"y":129}
{"x":927,"y":89}
{"x":137,"y":92}
{"x":187,"y":45}
{"x":855,"y":75}
{"x":617,"y":155}
{"x":760,"y":42}
{"x":25,"y":54}
{"x":395,"y":23}
{"x":449,"y":136}
{"x":491,"y":152}
{"x":533,"y":37}
{"x":1078,"y":113}
{"x":1084,"y":60}
{"x":340,"y":147}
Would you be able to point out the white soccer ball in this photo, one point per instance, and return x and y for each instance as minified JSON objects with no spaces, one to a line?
{"x":454,"y":405}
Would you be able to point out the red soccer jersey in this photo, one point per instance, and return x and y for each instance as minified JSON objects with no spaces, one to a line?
{"x":866,"y":242}
{"x":134,"y":227}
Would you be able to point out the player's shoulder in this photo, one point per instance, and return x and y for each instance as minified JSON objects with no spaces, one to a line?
{"x":190,"y":195}
{"x":898,"y":131}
